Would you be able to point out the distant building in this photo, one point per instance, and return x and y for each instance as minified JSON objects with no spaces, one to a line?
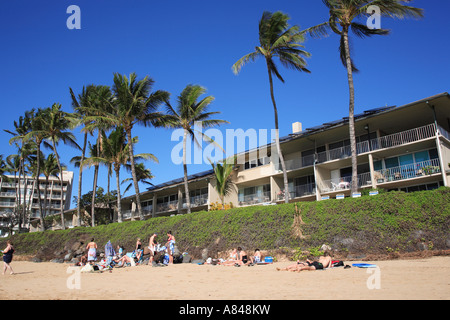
{"x":11,"y":187}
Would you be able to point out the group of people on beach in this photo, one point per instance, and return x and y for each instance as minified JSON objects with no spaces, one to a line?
{"x":238,"y":257}
{"x":120,"y":258}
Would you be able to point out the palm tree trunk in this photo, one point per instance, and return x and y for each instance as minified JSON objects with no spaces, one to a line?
{"x":277,"y":139}
{"x":25,"y":182}
{"x":94,"y":193}
{"x":186,"y":185}
{"x":80,"y":179}
{"x":351,"y":108}
{"x":45,"y":196}
{"x":119,"y":205}
{"x":63,"y":224}
{"x":133,"y":173}
{"x":38,"y":172}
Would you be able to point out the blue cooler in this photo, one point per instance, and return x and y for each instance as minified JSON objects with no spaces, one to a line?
{"x":268,"y":259}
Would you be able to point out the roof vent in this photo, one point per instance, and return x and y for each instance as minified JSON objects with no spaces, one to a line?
{"x":296,"y":127}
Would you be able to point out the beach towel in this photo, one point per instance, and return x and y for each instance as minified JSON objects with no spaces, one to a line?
{"x":92,"y":254}
{"x":171,"y":245}
{"x":109,"y":250}
{"x":364,"y":265}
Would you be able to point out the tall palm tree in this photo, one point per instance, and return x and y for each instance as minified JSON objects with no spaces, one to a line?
{"x":37,"y":135}
{"x":224,"y":184}
{"x":57,"y":125}
{"x":277,"y":40}
{"x":24,"y":149}
{"x":97,"y":104}
{"x":82,"y":107}
{"x":116,"y":153}
{"x":187,"y":112}
{"x":50,"y":168}
{"x":134,"y":103}
{"x":343,"y":19}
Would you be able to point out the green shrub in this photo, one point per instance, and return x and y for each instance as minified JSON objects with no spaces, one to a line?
{"x":394,"y":220}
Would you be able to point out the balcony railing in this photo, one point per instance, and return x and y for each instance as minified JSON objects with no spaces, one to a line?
{"x":254,"y":199}
{"x":167,"y":206}
{"x":197,"y":201}
{"x":388,"y":141}
{"x":444,"y":132}
{"x":344,"y":183}
{"x":408,"y":171}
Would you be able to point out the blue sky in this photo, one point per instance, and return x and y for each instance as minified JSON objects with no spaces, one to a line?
{"x":182,"y":42}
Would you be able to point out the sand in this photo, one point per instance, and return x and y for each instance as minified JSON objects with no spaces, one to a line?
{"x":397,"y":279}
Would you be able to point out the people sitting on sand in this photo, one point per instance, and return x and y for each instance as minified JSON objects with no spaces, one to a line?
{"x":231,"y":260}
{"x":138,"y":249}
{"x":323,"y":263}
{"x":124,"y":260}
{"x":243,"y":258}
{"x":119,"y":254}
{"x":257,"y":257}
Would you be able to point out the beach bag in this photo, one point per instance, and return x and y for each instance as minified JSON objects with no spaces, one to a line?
{"x":87,"y":268}
{"x":186,"y":258}
{"x":337,"y":263}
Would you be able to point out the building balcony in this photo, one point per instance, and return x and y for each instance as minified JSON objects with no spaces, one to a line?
{"x":253,"y":199}
{"x":409,"y":171}
{"x":196,"y":201}
{"x":345,"y":183}
{"x":384,"y":142}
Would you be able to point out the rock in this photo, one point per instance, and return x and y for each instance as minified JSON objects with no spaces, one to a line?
{"x":68,"y":256}
{"x":57,"y":260}
{"x":35,"y":259}
{"x":205,"y":254}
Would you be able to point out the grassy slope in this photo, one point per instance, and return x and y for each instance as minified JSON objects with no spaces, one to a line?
{"x":388,"y":222}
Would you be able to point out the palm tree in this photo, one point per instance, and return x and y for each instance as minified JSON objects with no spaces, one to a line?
{"x":116,"y":153}
{"x":277,"y":39}
{"x":22,"y":127}
{"x":224,"y":184}
{"x":134,"y":104}
{"x":143,"y":175}
{"x":50,"y":168}
{"x":37,"y":135}
{"x":82,"y":107}
{"x":57,"y":123}
{"x":187,"y":112}
{"x":343,"y":16}
{"x":97,"y":103}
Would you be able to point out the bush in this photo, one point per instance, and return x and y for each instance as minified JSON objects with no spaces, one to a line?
{"x":391,"y":221}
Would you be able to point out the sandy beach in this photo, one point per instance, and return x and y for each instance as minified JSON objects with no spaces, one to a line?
{"x":397,"y":279}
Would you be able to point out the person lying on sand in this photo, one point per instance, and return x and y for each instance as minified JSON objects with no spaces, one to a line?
{"x":323,"y":262}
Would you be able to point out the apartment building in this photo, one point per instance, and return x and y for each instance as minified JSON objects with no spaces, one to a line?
{"x":398,"y":148}
{"x":15,"y":194}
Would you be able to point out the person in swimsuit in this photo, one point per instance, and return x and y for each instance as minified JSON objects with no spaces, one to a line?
{"x":152,"y":244}
{"x":243,"y":258}
{"x":138,"y":249}
{"x":309,"y":264}
{"x":170,"y":245}
{"x":257,"y":256}
{"x":8,"y":256}
{"x":92,"y":251}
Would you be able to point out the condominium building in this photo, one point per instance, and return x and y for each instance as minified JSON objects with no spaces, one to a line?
{"x":403,"y":148}
{"x":14,"y":194}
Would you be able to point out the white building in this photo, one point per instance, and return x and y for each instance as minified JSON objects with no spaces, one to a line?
{"x":14,"y":194}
